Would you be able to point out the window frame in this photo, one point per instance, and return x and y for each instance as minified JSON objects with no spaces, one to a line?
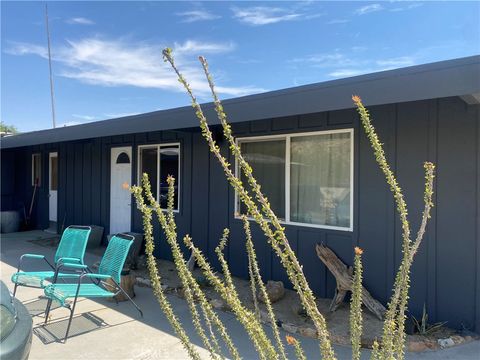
{"x":287,"y":137}
{"x":40,"y":168}
{"x":177,"y":181}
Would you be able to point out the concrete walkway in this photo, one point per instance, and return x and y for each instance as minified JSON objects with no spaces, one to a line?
{"x":104,"y":330}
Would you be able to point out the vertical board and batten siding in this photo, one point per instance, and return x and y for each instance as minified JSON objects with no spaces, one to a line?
{"x":446,"y":272}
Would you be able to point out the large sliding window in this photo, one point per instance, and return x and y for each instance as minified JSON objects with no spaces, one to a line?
{"x":307,"y":177}
{"x":159,"y":162}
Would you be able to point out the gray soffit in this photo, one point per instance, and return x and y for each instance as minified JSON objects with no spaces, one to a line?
{"x":458,"y":77}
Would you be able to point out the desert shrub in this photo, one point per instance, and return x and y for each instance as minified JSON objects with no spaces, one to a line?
{"x":391,"y":344}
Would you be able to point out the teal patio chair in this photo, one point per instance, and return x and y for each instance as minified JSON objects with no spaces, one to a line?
{"x":71,"y":249}
{"x":110,"y":268}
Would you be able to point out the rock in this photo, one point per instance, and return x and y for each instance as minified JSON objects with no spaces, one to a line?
{"x":366,"y":343}
{"x":202,"y":281}
{"x":339,"y":339}
{"x":142,"y":282}
{"x":290,"y":328}
{"x":141,"y":262}
{"x":219,"y":304}
{"x":275,"y":291}
{"x":180,"y":292}
{"x":457,"y":339}
{"x":297,"y":309}
{"x":264,"y":316}
{"x":417,"y":345}
{"x":431,"y":344}
{"x":445,"y":343}
{"x":308,"y":332}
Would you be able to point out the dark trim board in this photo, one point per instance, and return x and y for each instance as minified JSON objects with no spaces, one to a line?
{"x":457,"y":77}
{"x":445,"y":131}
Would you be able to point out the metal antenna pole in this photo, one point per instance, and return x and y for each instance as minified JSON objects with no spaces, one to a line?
{"x":50,"y":67}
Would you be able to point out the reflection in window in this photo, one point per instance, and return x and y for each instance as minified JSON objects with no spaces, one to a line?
{"x":315,"y":187}
{"x":267,"y":159}
{"x":320,"y":179}
{"x":159,"y":162}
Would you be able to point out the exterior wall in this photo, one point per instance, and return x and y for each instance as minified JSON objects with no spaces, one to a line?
{"x":446,"y":272}
{"x":8,"y":181}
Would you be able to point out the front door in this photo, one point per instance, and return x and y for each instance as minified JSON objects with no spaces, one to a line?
{"x":52,"y":186}
{"x":120,"y":197}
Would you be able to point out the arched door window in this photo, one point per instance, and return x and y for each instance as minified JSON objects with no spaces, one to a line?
{"x":123,"y":158}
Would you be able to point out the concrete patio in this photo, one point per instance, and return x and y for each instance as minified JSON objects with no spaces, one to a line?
{"x":104,"y":330}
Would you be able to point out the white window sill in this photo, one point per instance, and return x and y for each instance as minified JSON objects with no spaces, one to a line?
{"x":315,"y":226}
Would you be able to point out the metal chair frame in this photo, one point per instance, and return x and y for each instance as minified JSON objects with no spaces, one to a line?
{"x":58,"y":262}
{"x":97,"y":280}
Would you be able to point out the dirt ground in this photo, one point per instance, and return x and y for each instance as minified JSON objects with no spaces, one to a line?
{"x":290,"y":317}
{"x":288,"y":310}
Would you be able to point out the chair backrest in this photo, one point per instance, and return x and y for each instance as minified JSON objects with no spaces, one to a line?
{"x":115,"y":255}
{"x":73,"y":243}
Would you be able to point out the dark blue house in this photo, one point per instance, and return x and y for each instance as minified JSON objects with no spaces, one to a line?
{"x":315,"y":164}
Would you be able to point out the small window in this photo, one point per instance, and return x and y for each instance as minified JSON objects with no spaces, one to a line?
{"x":307,"y":177}
{"x":159,"y":162}
{"x":36,"y":169}
{"x":123,"y":158}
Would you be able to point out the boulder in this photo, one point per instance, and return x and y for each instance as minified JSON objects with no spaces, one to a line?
{"x":202,"y":281}
{"x":417,"y":343}
{"x":264,"y":316}
{"x":445,"y":343}
{"x":417,"y":346}
{"x":219,"y":304}
{"x":290,"y":328}
{"x":181,"y":294}
{"x":141,"y":262}
{"x":275,"y":291}
{"x":142,"y":282}
{"x":297,"y":309}
{"x":457,"y":339}
{"x":308,"y":332}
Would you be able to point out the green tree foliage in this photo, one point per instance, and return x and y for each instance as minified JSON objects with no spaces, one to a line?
{"x":4,"y":128}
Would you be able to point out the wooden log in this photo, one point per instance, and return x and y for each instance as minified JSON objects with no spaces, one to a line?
{"x":344,"y":277}
{"x":127,"y":283}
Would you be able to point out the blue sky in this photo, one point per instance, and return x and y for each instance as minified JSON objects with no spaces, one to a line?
{"x":107,"y":55}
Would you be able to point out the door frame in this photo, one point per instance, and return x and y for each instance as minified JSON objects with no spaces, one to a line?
{"x":129,"y":150}
{"x":52,"y":154}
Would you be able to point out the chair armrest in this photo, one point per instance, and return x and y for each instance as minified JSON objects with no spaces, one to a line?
{"x":68,"y":265}
{"x":32,"y":256}
{"x":72,"y":266}
{"x":68,"y":260}
{"x":97,"y":276}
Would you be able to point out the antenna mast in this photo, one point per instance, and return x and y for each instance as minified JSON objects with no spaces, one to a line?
{"x":50,"y":67}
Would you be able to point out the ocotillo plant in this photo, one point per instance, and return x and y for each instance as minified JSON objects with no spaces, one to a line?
{"x":391,"y":344}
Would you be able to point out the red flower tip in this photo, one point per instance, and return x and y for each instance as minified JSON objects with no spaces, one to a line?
{"x":291,"y":340}
{"x":358,"y":251}
{"x":356,"y":99}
